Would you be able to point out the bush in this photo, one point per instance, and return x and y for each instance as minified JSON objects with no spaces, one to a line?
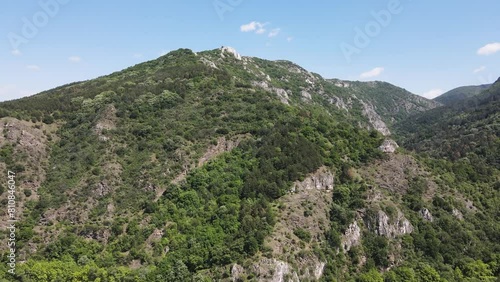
{"x":303,"y":235}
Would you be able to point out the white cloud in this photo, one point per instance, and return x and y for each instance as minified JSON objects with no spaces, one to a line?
{"x":137,"y":55}
{"x":33,"y":67}
{"x":289,"y":39}
{"x":431,"y":94}
{"x":480,"y":69}
{"x":254,"y":26}
{"x":489,"y":49}
{"x":274,"y":32}
{"x":75,"y":59}
{"x":260,"y":30}
{"x":372,"y":73}
{"x":16,"y":52}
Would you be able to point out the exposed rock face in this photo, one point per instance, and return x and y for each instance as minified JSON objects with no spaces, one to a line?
{"x":107,"y":121}
{"x":306,"y":208}
{"x":306,"y":95}
{"x":458,"y":214}
{"x":426,"y":215}
{"x":393,"y":173}
{"x":273,"y":270}
{"x":30,"y":148}
{"x":339,"y":102}
{"x":318,"y":272}
{"x":389,"y":146}
{"x":31,"y":140}
{"x":231,"y":51}
{"x":323,"y":179}
{"x":208,"y":63}
{"x":383,"y":226}
{"x":351,"y":237}
{"x":374,"y":118}
{"x":102,"y":189}
{"x":236,"y":272}
{"x":223,"y":145}
{"x":343,"y":84}
{"x":283,"y":95}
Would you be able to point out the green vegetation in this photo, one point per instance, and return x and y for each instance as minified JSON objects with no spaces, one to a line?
{"x":461,"y":93}
{"x":171,"y":170}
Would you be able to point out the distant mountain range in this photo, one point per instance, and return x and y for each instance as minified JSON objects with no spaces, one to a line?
{"x":461,"y":93}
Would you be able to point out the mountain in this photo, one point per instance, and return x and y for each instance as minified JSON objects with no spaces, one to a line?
{"x":212,"y":166}
{"x":373,"y":104}
{"x":461,"y":93}
{"x":468,"y":127}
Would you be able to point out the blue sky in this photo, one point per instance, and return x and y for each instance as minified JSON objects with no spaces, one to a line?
{"x":424,"y":46}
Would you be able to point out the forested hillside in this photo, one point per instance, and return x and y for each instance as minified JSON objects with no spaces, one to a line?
{"x":461,"y":93}
{"x":210,"y":166}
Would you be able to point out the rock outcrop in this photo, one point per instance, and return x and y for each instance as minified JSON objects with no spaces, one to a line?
{"x":426,"y":215}
{"x":457,"y":214}
{"x":351,"y":237}
{"x":382,"y":225}
{"x":389,"y":146}
{"x":374,"y":118}
{"x":273,"y":270}
{"x":223,"y":145}
{"x":283,"y":95}
{"x":323,"y":179}
{"x":106,"y":121}
{"x":339,"y":103}
{"x":231,"y":51}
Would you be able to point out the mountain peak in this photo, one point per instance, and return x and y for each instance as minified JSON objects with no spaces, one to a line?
{"x":231,"y":51}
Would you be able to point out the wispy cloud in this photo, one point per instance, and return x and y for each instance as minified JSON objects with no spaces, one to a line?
{"x":33,"y":67}
{"x":480,"y":69}
{"x":9,"y":92}
{"x":137,"y":55}
{"x":75,"y":59}
{"x":372,"y":73}
{"x":489,"y":49}
{"x":260,"y":30}
{"x":254,"y":26}
{"x":289,"y":39}
{"x":274,"y":32}
{"x":16,"y":52}
{"x":431,"y":94}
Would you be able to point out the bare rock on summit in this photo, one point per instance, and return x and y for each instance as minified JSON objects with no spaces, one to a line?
{"x":230,"y":50}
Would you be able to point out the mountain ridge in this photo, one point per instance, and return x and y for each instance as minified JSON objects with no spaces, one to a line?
{"x":461,"y":93}
{"x":210,"y":166}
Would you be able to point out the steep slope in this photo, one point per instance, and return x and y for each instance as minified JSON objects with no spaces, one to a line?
{"x":374,"y":105}
{"x":168,"y":156}
{"x":461,"y":93}
{"x":470,"y":126}
{"x":211,"y":166}
{"x":381,"y":103}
